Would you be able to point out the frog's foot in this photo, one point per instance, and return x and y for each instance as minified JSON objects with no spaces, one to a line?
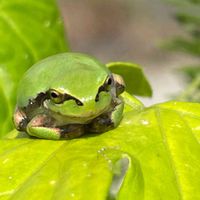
{"x":107,"y":121}
{"x":41,"y":126}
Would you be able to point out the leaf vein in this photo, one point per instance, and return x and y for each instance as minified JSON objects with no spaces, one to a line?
{"x":188,"y":128}
{"x":164,"y":139}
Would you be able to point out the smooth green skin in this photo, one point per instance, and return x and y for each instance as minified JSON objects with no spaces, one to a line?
{"x":75,"y":74}
{"x":50,"y":73}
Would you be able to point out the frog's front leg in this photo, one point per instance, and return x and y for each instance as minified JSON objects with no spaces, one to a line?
{"x":43,"y":126}
{"x":107,"y":121}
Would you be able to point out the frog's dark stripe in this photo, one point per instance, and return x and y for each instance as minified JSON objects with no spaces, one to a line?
{"x":37,"y":102}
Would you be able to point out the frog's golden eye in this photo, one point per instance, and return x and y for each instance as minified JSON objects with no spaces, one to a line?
{"x":56,"y":97}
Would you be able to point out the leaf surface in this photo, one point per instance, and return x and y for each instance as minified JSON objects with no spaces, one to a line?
{"x":153,"y":154}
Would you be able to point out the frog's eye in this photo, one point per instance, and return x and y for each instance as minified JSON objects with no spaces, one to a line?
{"x":56,"y":97}
{"x":105,"y":87}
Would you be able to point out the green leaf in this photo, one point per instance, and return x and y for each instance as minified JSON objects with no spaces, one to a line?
{"x":29,"y":31}
{"x":133,"y":75}
{"x":153,"y":154}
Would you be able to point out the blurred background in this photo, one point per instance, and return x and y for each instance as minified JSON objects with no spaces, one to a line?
{"x":136,"y":31}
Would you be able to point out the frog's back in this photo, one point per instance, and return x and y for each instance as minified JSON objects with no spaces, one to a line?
{"x":67,"y":71}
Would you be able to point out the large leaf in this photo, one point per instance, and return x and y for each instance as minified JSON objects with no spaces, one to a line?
{"x":29,"y":31}
{"x":133,"y":75}
{"x":153,"y":154}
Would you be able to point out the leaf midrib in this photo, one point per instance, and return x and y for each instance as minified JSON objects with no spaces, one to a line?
{"x":168,"y":152}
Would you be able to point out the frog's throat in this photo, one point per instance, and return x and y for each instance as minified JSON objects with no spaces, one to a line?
{"x":62,"y":119}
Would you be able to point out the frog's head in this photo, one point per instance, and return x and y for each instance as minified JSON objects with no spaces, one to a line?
{"x":75,"y":85}
{"x":87,"y":96}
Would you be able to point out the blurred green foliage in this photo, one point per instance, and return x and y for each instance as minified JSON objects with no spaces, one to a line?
{"x":188,"y":16}
{"x":29,"y":31}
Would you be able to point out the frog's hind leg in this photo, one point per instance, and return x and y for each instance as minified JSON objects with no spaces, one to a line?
{"x":41,"y":127}
{"x":72,"y":131}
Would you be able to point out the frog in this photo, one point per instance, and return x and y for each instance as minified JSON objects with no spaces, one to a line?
{"x":67,"y":95}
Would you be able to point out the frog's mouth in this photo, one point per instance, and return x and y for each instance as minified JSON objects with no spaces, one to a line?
{"x":65,"y":120}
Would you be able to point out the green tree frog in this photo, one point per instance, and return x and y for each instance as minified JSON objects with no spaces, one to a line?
{"x":67,"y":95}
